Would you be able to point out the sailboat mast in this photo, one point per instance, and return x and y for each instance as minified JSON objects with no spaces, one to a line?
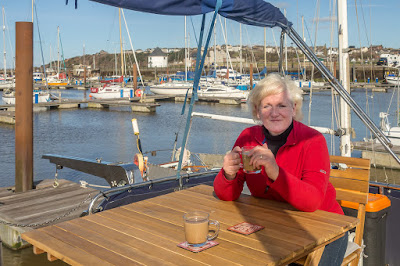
{"x":186,"y":52}
{"x":240,"y":49}
{"x":58,"y":50}
{"x":215,"y":48}
{"x":286,"y":68}
{"x":122,"y":52}
{"x":33,"y":2}
{"x":226,"y":46}
{"x":265,"y":47}
{"x":304,"y":55}
{"x":4,"y":47}
{"x":344,"y":77}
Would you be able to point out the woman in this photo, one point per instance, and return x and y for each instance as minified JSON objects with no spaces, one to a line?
{"x":293,"y":158}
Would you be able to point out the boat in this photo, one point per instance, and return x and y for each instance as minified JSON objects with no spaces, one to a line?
{"x":393,"y":79}
{"x":308,"y":84}
{"x":37,"y":76}
{"x":172,"y":88}
{"x":113,"y":79}
{"x":223,"y":91}
{"x":60,"y":79}
{"x":39,"y":96}
{"x":112,"y":91}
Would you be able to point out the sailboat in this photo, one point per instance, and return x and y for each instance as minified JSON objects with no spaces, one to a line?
{"x":39,"y":96}
{"x":8,"y":97}
{"x":114,"y":88}
{"x":59,"y":79}
{"x":5,"y":81}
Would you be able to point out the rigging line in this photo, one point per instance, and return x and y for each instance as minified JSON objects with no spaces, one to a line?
{"x":359,"y":39}
{"x":9,"y":43}
{"x":226,"y":43}
{"x":276,"y":45}
{"x":133,"y":50}
{"x":41,"y":48}
{"x":316,"y":18}
{"x":62,"y":55}
{"x":365,"y":25}
{"x":253,"y":58}
{"x":332,"y":15}
{"x":195,"y":36}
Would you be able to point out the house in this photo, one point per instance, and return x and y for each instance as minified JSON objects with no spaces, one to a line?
{"x":157,"y":58}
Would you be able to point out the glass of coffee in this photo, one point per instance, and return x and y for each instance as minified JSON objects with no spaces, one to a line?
{"x":247,"y":167}
{"x":197,"y":231}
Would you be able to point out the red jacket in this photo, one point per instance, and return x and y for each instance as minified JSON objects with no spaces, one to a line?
{"x":303,"y":179}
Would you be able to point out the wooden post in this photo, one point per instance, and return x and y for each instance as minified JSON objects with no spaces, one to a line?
{"x":251,"y":76}
{"x":23,"y":106}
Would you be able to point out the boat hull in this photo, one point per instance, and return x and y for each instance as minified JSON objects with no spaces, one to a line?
{"x":42,"y":98}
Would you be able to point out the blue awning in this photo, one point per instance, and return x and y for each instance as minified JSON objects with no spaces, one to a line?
{"x":250,"y":12}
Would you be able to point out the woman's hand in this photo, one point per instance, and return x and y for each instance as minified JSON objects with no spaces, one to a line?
{"x":262,"y":156}
{"x":232,"y":163}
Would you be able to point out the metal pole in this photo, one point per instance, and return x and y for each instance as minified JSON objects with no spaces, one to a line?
{"x":281,"y":52}
{"x":344,"y":78}
{"x":251,"y":76}
{"x":24,"y":106}
{"x":122,"y":50}
{"x":134,"y":77}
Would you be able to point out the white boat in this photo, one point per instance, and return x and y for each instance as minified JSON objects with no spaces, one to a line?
{"x":42,"y":96}
{"x":37,"y":76}
{"x":172,"y":88}
{"x":223,"y":72}
{"x":110,"y":91}
{"x":6,"y":84}
{"x":395,"y":80}
{"x":60,"y":79}
{"x":223,"y":91}
{"x":308,"y":84}
{"x":393,"y":133}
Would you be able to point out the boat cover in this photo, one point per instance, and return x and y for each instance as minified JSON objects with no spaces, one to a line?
{"x":250,"y":12}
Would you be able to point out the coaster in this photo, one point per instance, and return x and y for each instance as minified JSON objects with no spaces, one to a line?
{"x":246,"y":228}
{"x":186,"y":245}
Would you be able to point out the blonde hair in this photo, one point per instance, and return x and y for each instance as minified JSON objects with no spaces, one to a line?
{"x":275,"y":84}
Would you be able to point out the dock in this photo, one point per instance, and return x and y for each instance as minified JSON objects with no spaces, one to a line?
{"x":40,"y":207}
{"x":136,"y":105}
{"x":377,"y":154}
{"x":7,"y":117}
{"x":220,"y":100}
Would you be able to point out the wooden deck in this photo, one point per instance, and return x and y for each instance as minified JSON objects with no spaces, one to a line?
{"x":38,"y":206}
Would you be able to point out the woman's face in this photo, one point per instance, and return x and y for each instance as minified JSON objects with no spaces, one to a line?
{"x":276,"y":112}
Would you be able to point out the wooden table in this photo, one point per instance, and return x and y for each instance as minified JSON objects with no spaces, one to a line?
{"x":147,"y":232}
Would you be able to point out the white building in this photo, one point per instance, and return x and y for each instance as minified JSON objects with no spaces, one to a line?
{"x":157,"y":59}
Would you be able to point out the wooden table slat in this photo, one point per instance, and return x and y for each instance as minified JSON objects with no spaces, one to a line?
{"x":175,"y":234}
{"x":90,"y":247}
{"x":57,"y":248}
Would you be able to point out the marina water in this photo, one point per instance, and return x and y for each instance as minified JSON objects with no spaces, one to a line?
{"x":107,"y":134}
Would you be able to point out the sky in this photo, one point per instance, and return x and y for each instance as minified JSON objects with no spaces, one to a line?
{"x":94,"y":27}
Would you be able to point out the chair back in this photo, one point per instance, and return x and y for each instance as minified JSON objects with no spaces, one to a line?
{"x":351,"y":181}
